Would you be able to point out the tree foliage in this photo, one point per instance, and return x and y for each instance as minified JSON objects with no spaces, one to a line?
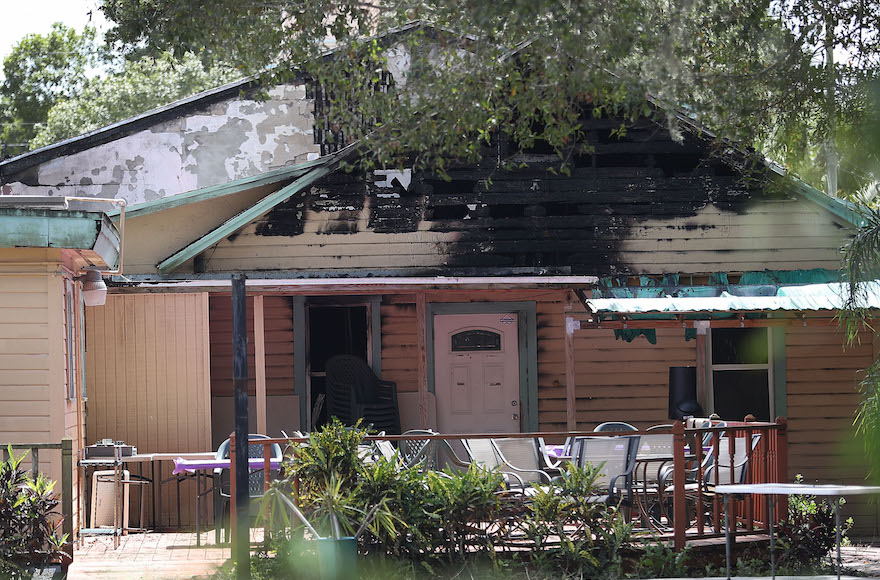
{"x":139,"y":86}
{"x":746,"y":69}
{"x":40,"y":70}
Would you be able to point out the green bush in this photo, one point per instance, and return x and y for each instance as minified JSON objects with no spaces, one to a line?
{"x":27,"y":505}
{"x":809,"y":531}
{"x":435,"y":519}
{"x":570,"y":531}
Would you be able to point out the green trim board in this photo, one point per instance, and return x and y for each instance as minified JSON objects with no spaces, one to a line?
{"x":66,"y":229}
{"x":232,"y":225}
{"x":215,"y":191}
{"x":843,"y":210}
{"x":780,"y":394}
{"x":527,"y":335}
{"x":299,"y":360}
{"x":376,"y":334}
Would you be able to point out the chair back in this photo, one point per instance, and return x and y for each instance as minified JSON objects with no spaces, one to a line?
{"x":353,"y":391}
{"x":614,"y":426}
{"x":422,"y":452}
{"x":615,"y":457}
{"x":521,"y":454}
{"x":734,"y":471}
{"x":482,"y":452}
{"x":255,"y":451}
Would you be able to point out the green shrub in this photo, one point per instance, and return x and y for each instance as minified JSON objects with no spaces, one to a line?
{"x":27,"y":505}
{"x":660,"y":560}
{"x":808,"y":533}
{"x":570,"y":531}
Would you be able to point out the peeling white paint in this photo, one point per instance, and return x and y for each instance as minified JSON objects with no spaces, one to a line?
{"x":225,"y":141}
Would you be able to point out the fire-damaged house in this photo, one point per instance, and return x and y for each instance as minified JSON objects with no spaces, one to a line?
{"x":497,"y":300}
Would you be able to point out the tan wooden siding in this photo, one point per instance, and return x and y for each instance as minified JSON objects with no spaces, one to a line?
{"x":25,"y":366}
{"x":278,"y":315}
{"x":399,"y":346}
{"x":822,"y":400}
{"x":620,"y":381}
{"x":779,"y":234}
{"x":772,"y":235}
{"x":147,"y":367}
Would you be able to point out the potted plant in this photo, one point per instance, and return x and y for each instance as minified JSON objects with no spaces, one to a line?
{"x":329,"y":504}
{"x":29,"y":525}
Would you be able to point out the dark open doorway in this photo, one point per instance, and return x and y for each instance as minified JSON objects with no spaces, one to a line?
{"x":333,"y":329}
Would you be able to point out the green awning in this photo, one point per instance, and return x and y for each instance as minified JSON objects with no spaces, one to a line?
{"x":810,"y":297}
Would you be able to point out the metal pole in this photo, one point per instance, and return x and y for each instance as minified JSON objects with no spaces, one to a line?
{"x":837,"y":531}
{"x":241,"y":531}
{"x":727,"y":532}
{"x":770,"y":516}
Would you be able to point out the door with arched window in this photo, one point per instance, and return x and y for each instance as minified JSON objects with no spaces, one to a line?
{"x":476,"y":373}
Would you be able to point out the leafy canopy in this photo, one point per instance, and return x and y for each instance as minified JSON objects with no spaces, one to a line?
{"x":139,"y":86}
{"x":747,"y":69}
{"x":40,"y":70}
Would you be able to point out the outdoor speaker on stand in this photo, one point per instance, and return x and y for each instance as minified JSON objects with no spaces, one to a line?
{"x":683,"y":393}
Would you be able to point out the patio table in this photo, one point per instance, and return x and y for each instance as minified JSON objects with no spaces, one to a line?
{"x":771,"y":490}
{"x":182,"y":465}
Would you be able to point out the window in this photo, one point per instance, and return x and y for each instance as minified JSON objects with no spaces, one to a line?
{"x":741,"y":373}
{"x":476,"y":340}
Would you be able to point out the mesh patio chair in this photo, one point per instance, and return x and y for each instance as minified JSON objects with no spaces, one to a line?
{"x":354,"y":392}
{"x":524,"y":458}
{"x":421,"y":452}
{"x":614,"y":426}
{"x":615,"y":457}
{"x":256,"y":478}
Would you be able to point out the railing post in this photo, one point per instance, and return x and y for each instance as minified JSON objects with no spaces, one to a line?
{"x":35,"y":461}
{"x":232,"y":514}
{"x":67,"y":492}
{"x":782,"y":464}
{"x":678,"y":498}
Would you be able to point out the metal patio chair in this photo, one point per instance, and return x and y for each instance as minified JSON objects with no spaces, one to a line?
{"x":421,"y":452}
{"x":256,"y":479}
{"x":615,"y":457}
{"x":614,"y":426}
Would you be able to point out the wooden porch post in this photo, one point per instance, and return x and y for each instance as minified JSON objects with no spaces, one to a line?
{"x":782,"y":465}
{"x":422,"y":363}
{"x":241,"y":496}
{"x":678,"y":499}
{"x":260,"y":363}
{"x":570,"y":377}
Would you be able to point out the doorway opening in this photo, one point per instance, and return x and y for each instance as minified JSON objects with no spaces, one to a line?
{"x":333,"y":329}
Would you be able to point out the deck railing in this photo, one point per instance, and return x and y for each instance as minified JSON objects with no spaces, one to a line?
{"x":33,"y":456}
{"x":701,"y":459}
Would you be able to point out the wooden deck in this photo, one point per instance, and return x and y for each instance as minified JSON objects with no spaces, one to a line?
{"x":151,"y":556}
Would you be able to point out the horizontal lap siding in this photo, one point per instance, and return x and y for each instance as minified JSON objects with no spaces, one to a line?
{"x":620,"y":381}
{"x":148,"y":379}
{"x":400,"y":346}
{"x":278,"y":329}
{"x":822,"y":399}
{"x":25,"y":368}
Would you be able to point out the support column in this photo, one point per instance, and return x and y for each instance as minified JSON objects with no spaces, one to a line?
{"x":260,"y":363}
{"x":422,"y":363}
{"x":570,"y":375}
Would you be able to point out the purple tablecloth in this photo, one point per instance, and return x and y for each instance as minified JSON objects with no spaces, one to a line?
{"x":192,"y":465}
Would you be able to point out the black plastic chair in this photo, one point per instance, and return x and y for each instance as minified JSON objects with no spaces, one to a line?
{"x":256,"y":478}
{"x":354,"y":392}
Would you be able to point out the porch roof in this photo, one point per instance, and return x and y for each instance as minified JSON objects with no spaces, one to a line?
{"x":810,"y":297}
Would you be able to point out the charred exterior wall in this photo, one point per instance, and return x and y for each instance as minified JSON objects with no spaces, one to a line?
{"x":638,"y":204}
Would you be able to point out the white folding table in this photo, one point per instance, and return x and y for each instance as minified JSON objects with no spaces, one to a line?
{"x":772,"y":490}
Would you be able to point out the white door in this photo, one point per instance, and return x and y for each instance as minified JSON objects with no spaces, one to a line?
{"x":476,"y":373}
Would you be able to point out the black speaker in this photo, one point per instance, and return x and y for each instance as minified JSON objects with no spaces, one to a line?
{"x":683,"y":393}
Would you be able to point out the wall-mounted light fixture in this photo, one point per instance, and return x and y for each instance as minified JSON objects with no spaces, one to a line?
{"x":94,"y":290}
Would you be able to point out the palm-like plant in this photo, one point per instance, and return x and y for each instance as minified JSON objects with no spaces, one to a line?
{"x":861,"y":267}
